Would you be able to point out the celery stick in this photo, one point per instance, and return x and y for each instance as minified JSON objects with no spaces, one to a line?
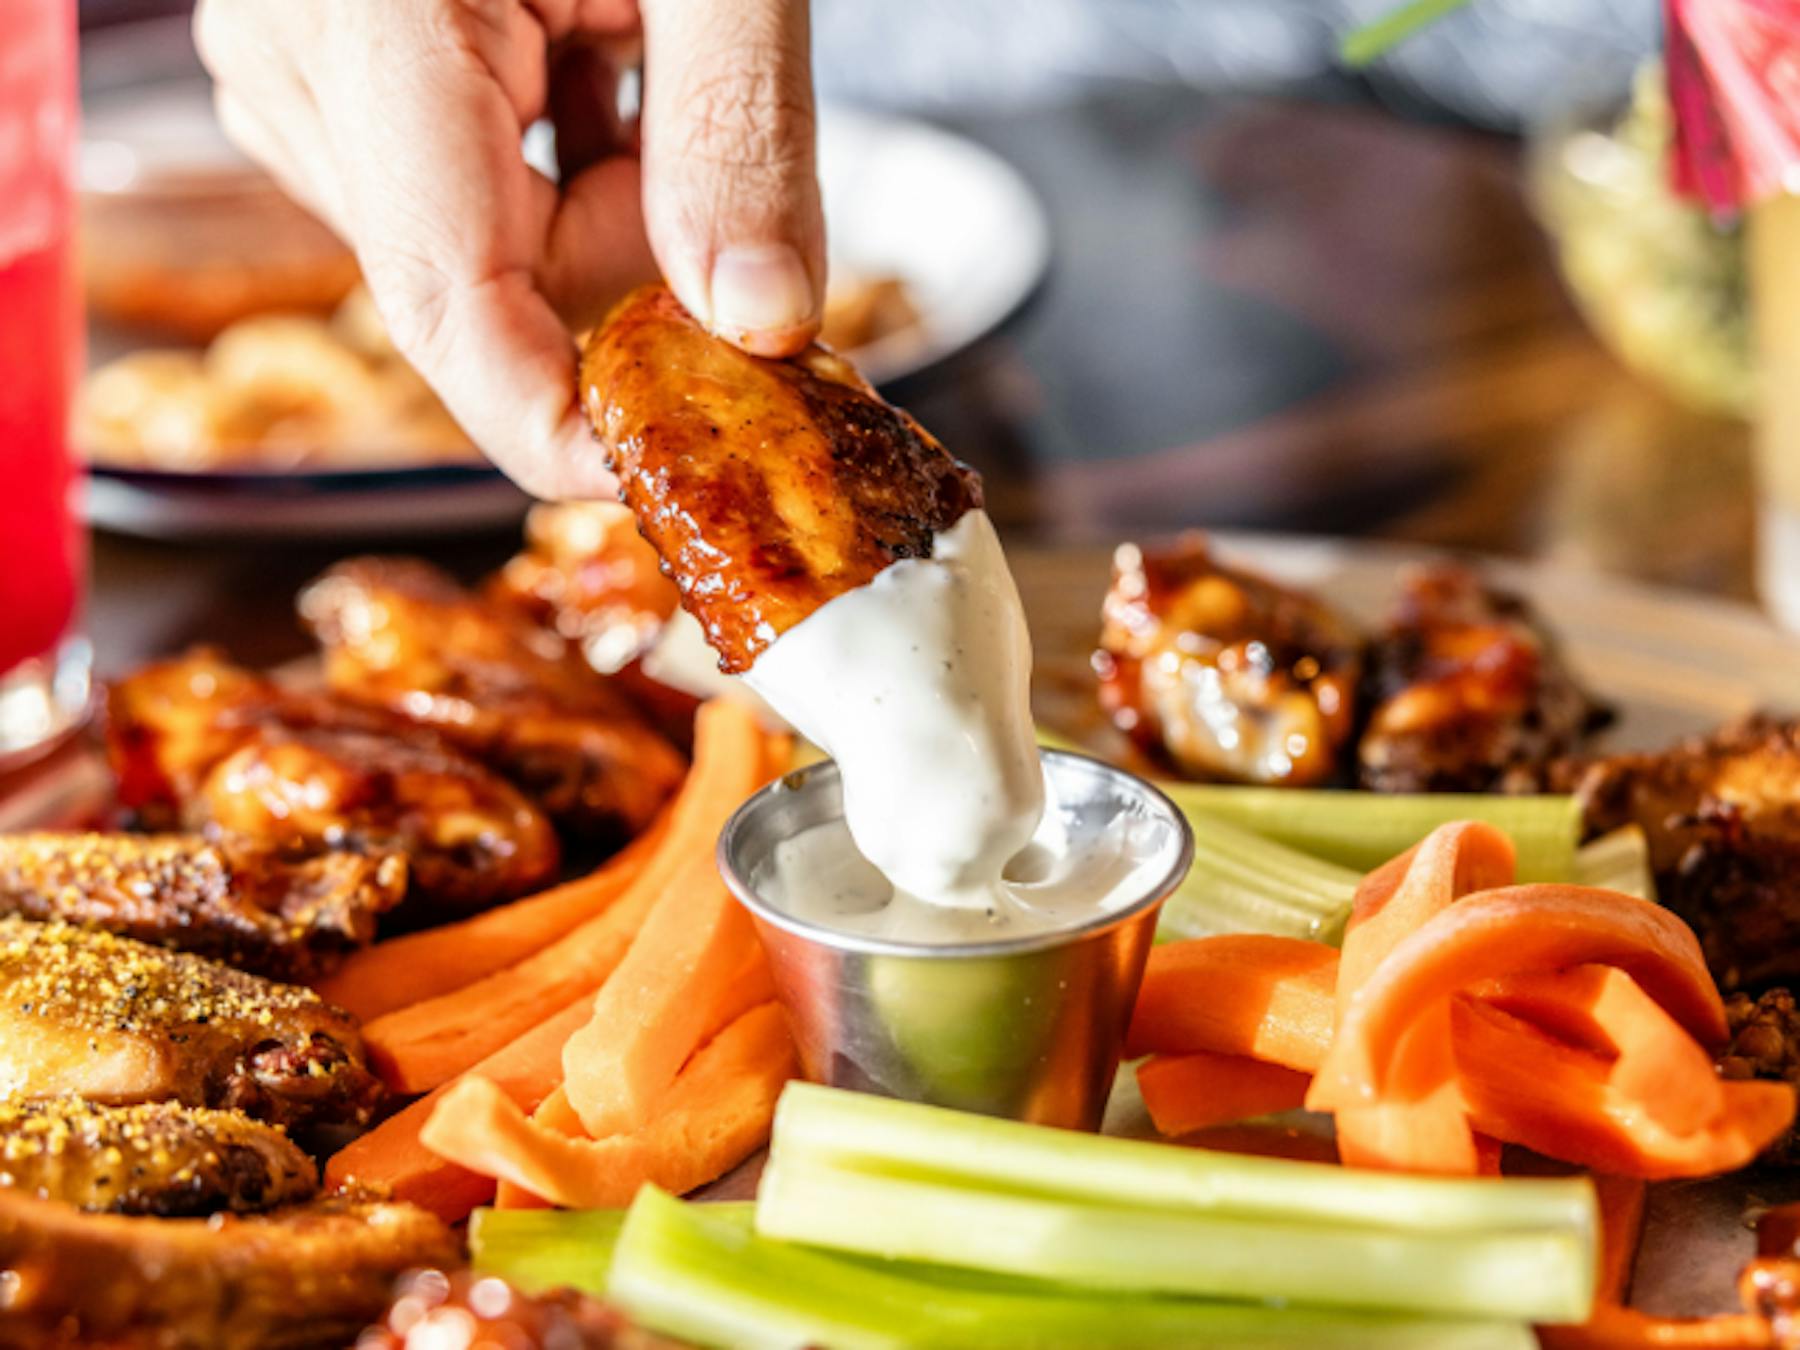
{"x":1542,"y":1274}
{"x":685,"y":1271}
{"x":866,"y":1132}
{"x":1362,"y":830}
{"x":1243,"y":883}
{"x":538,"y":1249}
{"x":1619,"y":861}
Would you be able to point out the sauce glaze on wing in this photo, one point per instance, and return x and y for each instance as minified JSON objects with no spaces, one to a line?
{"x":768,"y":487}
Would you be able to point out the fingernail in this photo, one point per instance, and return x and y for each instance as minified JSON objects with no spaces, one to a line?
{"x":759,"y":289}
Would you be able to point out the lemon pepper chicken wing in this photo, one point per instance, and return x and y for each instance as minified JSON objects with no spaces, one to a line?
{"x":402,"y":635}
{"x":240,"y":901}
{"x":1223,"y":672}
{"x":197,"y":742}
{"x":94,"y":1015}
{"x":767,"y":487}
{"x":300,"y":1277}
{"x":157,"y":1158}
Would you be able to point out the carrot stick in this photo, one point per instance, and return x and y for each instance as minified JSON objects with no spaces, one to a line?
{"x":417,"y":1048}
{"x":1419,"y":1124}
{"x":716,"y":1113}
{"x":1514,"y":930}
{"x":654,"y":1010}
{"x":1616,"y":1328}
{"x":391,"y":1155}
{"x":1656,"y":1063}
{"x":1621,"y":1229}
{"x":1268,"y":998}
{"x":1197,"y":1091}
{"x":1528,"y":1088}
{"x":420,"y":966}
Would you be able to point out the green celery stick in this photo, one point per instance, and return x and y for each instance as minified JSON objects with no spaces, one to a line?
{"x":1243,"y":883}
{"x":1362,"y":830}
{"x":546,"y":1248}
{"x":1619,"y":861}
{"x":684,"y":1271}
{"x":814,"y":1123}
{"x":1542,"y":1274}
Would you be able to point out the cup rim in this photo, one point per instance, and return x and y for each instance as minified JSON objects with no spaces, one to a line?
{"x":862,"y":944}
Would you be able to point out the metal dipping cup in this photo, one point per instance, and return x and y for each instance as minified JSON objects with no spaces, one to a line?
{"x":1028,"y":1028}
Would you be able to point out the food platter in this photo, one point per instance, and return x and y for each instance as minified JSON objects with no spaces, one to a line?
{"x":1673,"y":664}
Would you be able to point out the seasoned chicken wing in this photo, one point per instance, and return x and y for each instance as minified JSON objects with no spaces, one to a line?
{"x":1224,"y":673}
{"x":198,"y":742}
{"x":90,"y":1014}
{"x":157,"y":1158}
{"x":1722,"y":814}
{"x":240,"y":901}
{"x":1469,"y":693}
{"x":309,"y":1276}
{"x":767,"y":487}
{"x":402,"y":635}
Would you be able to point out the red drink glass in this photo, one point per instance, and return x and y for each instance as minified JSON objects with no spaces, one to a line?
{"x":44,"y":682}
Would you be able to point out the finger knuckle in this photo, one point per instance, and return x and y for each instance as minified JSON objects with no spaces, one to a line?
{"x":754,"y":115}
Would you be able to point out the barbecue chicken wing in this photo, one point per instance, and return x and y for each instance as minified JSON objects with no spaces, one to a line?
{"x":239,"y":901}
{"x":1722,"y":814}
{"x":155,"y":1158}
{"x":1223,"y":673}
{"x":198,"y":742}
{"x":300,"y":1278}
{"x":1469,"y":693}
{"x":461,"y":1310}
{"x":403,"y":635}
{"x":588,"y":574}
{"x":90,"y":1014}
{"x":767,"y":487}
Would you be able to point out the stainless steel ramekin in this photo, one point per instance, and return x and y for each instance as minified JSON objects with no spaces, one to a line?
{"x":1029,"y":1028}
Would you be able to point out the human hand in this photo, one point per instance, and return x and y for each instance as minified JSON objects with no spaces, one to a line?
{"x":399,"y":123}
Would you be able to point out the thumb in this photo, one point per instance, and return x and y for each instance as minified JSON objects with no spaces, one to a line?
{"x":731,"y":192}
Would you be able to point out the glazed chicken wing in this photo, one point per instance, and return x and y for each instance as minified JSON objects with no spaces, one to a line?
{"x":401,"y":634}
{"x":767,"y":487}
{"x":1722,"y":815}
{"x":197,"y":742}
{"x":588,"y":574}
{"x":236,"y":900}
{"x":1469,"y":693}
{"x":1224,"y":673}
{"x":157,"y":1158}
{"x":90,"y":1014}
{"x":303,"y":1277}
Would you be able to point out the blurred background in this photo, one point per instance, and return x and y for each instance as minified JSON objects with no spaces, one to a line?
{"x":1148,"y":264}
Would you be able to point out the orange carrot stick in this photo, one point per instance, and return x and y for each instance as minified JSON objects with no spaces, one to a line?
{"x":419,"y":966}
{"x":1419,"y":1123}
{"x":716,"y":1113}
{"x":1197,"y":1091}
{"x":654,"y":1010}
{"x":391,"y":1156}
{"x":417,"y":1048}
{"x":1656,"y":1063}
{"x":1514,"y":930}
{"x":1269,"y":998}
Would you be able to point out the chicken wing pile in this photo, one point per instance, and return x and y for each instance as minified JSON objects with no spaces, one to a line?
{"x":767,"y":487}
{"x":403,"y":636}
{"x":201,"y":744}
{"x":1224,"y":674}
